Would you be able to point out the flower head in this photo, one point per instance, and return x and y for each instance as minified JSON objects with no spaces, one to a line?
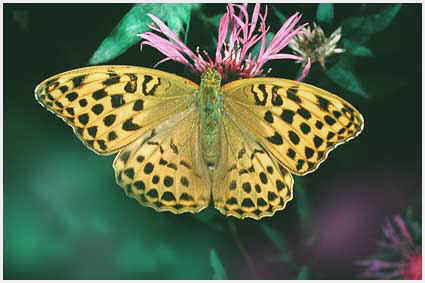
{"x":399,"y":256}
{"x":237,"y":35}
{"x":312,"y":44}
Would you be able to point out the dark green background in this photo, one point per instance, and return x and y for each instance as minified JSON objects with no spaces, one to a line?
{"x":65,"y":218}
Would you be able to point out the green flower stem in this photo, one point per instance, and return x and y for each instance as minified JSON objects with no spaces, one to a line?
{"x":234,"y":231}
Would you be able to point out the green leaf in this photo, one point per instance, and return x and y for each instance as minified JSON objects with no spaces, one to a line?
{"x":356,"y":49}
{"x":280,"y":16}
{"x":325,"y":13}
{"x":136,"y":21}
{"x":361,"y":28}
{"x":304,"y":274}
{"x":280,"y":243}
{"x":342,"y":74}
{"x":219,"y":272}
{"x":255,"y":50}
{"x":214,"y":21}
{"x":303,"y":203}
{"x":274,"y":236}
{"x":362,"y":51}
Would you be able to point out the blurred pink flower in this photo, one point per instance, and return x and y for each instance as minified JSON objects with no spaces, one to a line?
{"x":237,"y":34}
{"x":399,"y":257}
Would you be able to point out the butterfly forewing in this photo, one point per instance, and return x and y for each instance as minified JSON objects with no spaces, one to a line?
{"x":298,"y":123}
{"x":111,"y":106}
{"x":163,"y":169}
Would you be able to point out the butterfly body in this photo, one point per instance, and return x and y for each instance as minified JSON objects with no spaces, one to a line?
{"x":180,"y":144}
{"x":210,"y":111}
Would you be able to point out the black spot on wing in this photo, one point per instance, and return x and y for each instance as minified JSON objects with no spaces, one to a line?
{"x":275,"y":139}
{"x":323,"y":103}
{"x":246,"y":187}
{"x":304,"y":113}
{"x":308,"y":152}
{"x":99,"y":94}
{"x":184,"y":181}
{"x":124,"y":156}
{"x":147,"y":79}
{"x":83,"y":118}
{"x":293,"y":137}
{"x":287,"y":116}
{"x":186,"y":197}
{"x":139,"y":185}
{"x":112,"y":80}
{"x":70,"y":110}
{"x":300,"y":164}
{"x":291,"y":93}
{"x":305,"y":128}
{"x":329,"y":120}
{"x":78,"y":80}
{"x":260,"y":98}
{"x":92,"y":131}
{"x":319,"y":125}
{"x":232,"y":185}
{"x":71,"y":96}
{"x":330,"y":135}
{"x":129,"y":172}
{"x":138,"y":105}
{"x":337,"y":114}
{"x":247,"y":203}
{"x":291,"y":153}
{"x":97,"y":109}
{"x":148,"y":168}
{"x":276,"y":98}
{"x":101,"y":144}
{"x":83,"y":102}
{"x":109,"y":120}
{"x":168,"y":181}
{"x":317,"y":141}
{"x":268,"y":116}
{"x":63,"y":88}
{"x":130,"y":126}
{"x":168,"y":196}
{"x":131,"y":86}
{"x":117,"y":100}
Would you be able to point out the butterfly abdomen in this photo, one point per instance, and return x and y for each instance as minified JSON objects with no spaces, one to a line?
{"x":211,"y":109}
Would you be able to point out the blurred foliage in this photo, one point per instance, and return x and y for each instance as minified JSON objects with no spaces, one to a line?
{"x":65,"y":218}
{"x":279,"y":242}
{"x":303,"y":203}
{"x":357,"y":31}
{"x":304,"y":274}
{"x":325,"y":13}
{"x":342,"y":73}
{"x":219,"y":272}
{"x":360,"y":29}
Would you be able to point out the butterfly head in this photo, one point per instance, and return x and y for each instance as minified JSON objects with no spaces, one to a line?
{"x":211,"y":77}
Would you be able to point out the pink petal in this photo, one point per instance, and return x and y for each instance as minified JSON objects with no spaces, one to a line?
{"x":305,"y":71}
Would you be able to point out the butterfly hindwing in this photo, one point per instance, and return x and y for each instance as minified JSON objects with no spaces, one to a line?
{"x":111,"y":106}
{"x":252,"y":182}
{"x":298,"y":123}
{"x":163,"y":169}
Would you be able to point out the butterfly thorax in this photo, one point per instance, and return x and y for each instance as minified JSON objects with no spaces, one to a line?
{"x":211,"y":109}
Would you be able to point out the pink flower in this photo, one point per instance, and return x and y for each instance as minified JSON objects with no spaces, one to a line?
{"x":237,"y":34}
{"x":399,"y":257}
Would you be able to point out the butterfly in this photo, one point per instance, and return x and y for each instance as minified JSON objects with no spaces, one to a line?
{"x":181,"y":144}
